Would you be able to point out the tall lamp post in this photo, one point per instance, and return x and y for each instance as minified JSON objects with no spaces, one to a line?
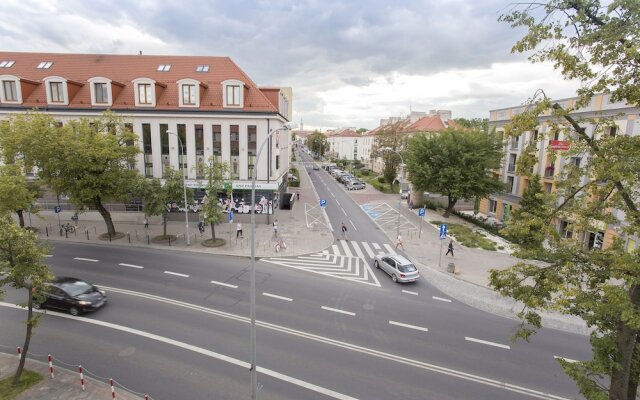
{"x":254,"y":373}
{"x":184,"y":188}
{"x":400,"y":182}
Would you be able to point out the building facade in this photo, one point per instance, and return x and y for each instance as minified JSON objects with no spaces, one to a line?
{"x":347,"y":144}
{"x":208,"y":102}
{"x":500,"y":206}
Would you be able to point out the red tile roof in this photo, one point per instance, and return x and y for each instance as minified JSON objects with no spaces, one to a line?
{"x":432,"y":123}
{"x":125,"y":68}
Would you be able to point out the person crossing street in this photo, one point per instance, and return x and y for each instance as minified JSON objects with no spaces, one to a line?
{"x":344,"y":232}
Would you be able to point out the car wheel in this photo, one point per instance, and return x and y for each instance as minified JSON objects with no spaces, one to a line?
{"x":74,"y":311}
{"x":394,"y":278}
{"x":375,"y":263}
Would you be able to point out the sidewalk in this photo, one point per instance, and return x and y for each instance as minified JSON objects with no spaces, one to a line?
{"x":65,"y":385}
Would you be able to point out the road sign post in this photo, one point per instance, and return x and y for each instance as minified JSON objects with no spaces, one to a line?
{"x":443,"y":236}
{"x":323,"y":203}
{"x":421,"y":213}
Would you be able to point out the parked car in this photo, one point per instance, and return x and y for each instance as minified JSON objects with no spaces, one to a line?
{"x":399,"y":268}
{"x":315,"y":167}
{"x":404,"y":194}
{"x":355,"y":185}
{"x":73,"y":295}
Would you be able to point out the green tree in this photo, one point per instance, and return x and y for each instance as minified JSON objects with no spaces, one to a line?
{"x":317,"y":142}
{"x":214,"y":173}
{"x":391,"y":163}
{"x":479,"y":124}
{"x":21,"y":267}
{"x":598,"y":46}
{"x":157,"y":195}
{"x":17,"y":193}
{"x":455,"y":163}
{"x":88,"y":160}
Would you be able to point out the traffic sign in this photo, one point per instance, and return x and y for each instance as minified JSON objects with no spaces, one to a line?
{"x":443,"y":231}
{"x":57,"y":209}
{"x":323,"y":203}
{"x":421,"y":212}
{"x":230,"y":216}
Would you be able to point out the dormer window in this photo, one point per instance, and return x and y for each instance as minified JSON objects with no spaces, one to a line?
{"x":56,"y":92}
{"x":189,"y":90}
{"x":100,"y":91}
{"x":233,"y":92}
{"x":145,"y":92}
{"x":10,"y":90}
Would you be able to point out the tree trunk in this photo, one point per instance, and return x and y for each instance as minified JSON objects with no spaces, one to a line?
{"x":164,"y":224}
{"x":21,"y":217}
{"x":213,"y":231}
{"x":450,"y":204}
{"x":635,"y":372}
{"x":626,"y":341}
{"x":106,"y":215}
{"x":27,"y":340}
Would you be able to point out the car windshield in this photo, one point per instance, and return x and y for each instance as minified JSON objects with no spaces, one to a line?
{"x":407,"y":268}
{"x":76,"y":288}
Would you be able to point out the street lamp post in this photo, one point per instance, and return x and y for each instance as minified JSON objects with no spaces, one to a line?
{"x":254,"y":373}
{"x":400,"y":184}
{"x":184,"y":188}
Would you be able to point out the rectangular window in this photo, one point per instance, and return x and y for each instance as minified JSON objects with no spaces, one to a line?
{"x":235,"y":139}
{"x":613,"y":130}
{"x":233,"y":95}
{"x":514,"y":142}
{"x":164,"y":139}
{"x":55,"y":88}
{"x":510,"y":181}
{"x":253,"y":138}
{"x":189,"y":95}
{"x":512,"y":163}
{"x":556,"y":135}
{"x":182,"y":134}
{"x":277,"y":162}
{"x":493,"y":206}
{"x":217,"y":139}
{"x":199,"y":140}
{"x":564,"y":230}
{"x":100,"y":91}
{"x":146,"y":146}
{"x":10,"y":91}
{"x":144,"y":93}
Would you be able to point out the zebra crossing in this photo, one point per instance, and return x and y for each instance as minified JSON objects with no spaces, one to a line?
{"x":347,"y":260}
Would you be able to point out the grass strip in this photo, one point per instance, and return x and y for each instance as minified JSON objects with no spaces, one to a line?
{"x":467,"y":237}
{"x":27,"y":379}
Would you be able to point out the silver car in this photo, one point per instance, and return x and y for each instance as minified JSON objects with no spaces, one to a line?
{"x":400,"y":269}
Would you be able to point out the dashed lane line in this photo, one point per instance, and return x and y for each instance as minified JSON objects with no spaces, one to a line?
{"x":338,"y":311}
{"x":354,"y":227}
{"x":224,"y":284}
{"x":85,"y":259}
{"x":131,"y":266}
{"x":410,"y":292}
{"x":418,"y":328}
{"x":275,"y":296}
{"x":441,"y":299}
{"x":49,"y":255}
{"x":503,"y":346}
{"x":176,"y":274}
{"x":569,"y":360}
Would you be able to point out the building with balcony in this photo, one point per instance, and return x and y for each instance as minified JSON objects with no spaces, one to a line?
{"x":209,"y":102}
{"x":347,"y":144}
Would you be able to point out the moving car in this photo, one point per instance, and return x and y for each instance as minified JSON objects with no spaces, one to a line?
{"x":315,"y":167}
{"x":73,"y":295}
{"x":399,"y":268}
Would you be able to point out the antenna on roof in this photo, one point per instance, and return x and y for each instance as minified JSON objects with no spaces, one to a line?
{"x":140,"y":52}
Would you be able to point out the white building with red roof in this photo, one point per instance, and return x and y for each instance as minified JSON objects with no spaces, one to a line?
{"x":347,"y":144}
{"x":215,"y":108}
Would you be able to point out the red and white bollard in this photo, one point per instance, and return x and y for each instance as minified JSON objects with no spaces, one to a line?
{"x":81,"y":376}
{"x":50,"y":365}
{"x":19,"y":351}
{"x":113,"y":391}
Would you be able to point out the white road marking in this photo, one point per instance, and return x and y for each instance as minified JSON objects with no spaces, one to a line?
{"x":337,"y":202}
{"x":163,"y":339}
{"x":345,"y":213}
{"x":49,"y":255}
{"x":131,"y":266}
{"x":418,"y":328}
{"x":569,"y":360}
{"x":354,"y":227}
{"x":309,"y":336}
{"x":376,"y":246}
{"x":359,"y":252}
{"x":85,"y":259}
{"x":275,"y":296}
{"x":368,"y":249}
{"x":176,"y":274}
{"x":389,"y":249}
{"x":470,"y":339}
{"x":338,"y":311}
{"x":347,"y":250}
{"x":224,"y":284}
{"x":441,"y":299}
{"x":334,"y":247}
{"x":410,"y":292}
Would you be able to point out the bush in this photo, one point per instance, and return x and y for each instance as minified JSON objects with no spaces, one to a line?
{"x":365,"y":172}
{"x":494,"y":229}
{"x":294,"y":183}
{"x":381,"y":179}
{"x":432,"y":204}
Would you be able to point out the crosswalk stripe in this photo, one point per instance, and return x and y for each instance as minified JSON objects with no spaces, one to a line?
{"x":357,"y":249}
{"x":376,"y":246}
{"x":368,"y":249}
{"x":347,"y":250}
{"x":389,"y":249}
{"x":334,"y":247}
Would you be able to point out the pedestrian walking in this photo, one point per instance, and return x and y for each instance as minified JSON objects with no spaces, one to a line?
{"x":450,"y":248}
{"x":298,"y":194}
{"x":238,"y":230}
{"x":344,"y":232}
{"x":275,"y":227}
{"x":201,"y":228}
{"x":74,"y":218}
{"x":146,"y":223}
{"x":399,"y":242}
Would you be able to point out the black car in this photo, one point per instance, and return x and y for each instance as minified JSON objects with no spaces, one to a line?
{"x":74,"y":295}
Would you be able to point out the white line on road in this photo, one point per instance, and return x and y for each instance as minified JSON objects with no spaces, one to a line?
{"x":410,"y":292}
{"x":224,"y":284}
{"x":504,"y":346}
{"x":354,"y":227}
{"x":85,"y":259}
{"x":338,"y":311}
{"x":345,"y":213}
{"x":275,"y":296}
{"x":441,"y":299}
{"x":347,"y":250}
{"x":376,"y":246}
{"x":337,"y":202}
{"x":389,"y":249}
{"x":418,"y":328}
{"x":569,"y":360}
{"x":368,"y":249}
{"x":131,"y":265}
{"x":49,"y":255}
{"x":176,"y":274}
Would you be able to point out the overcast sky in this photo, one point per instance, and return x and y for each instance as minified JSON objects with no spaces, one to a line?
{"x":350,"y":63}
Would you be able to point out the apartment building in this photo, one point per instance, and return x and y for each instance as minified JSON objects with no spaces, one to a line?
{"x":211,"y":104}
{"x":347,"y":144}
{"x":499,"y":206}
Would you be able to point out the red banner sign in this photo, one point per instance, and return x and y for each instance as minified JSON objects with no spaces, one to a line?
{"x":559,"y":145}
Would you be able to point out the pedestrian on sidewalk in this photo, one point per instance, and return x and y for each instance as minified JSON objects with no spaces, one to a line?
{"x":298,"y":194}
{"x":74,"y":218}
{"x":238,"y":230}
{"x":399,"y":242}
{"x":275,"y":227}
{"x":146,"y":223}
{"x":344,"y":232}
{"x":201,"y":228}
{"x":450,"y":248}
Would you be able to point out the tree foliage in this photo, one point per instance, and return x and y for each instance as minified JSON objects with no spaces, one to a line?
{"x":478,"y":124}
{"x":21,"y":267}
{"x":318,"y":143}
{"x":597,"y":45}
{"x":17,"y":193}
{"x":456,"y":163}
{"x":214,"y":173}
